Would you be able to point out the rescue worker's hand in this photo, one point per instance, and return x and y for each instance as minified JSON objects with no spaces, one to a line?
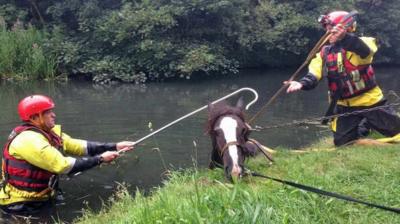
{"x":337,"y":33}
{"x":293,"y":86}
{"x":109,"y":156}
{"x":125,"y":146}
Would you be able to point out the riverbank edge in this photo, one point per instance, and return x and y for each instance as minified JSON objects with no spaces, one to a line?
{"x":204,"y":196}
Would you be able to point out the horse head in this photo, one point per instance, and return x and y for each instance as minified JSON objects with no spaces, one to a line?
{"x":229,"y":133}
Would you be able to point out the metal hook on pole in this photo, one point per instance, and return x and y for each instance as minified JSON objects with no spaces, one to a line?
{"x":202,"y":108}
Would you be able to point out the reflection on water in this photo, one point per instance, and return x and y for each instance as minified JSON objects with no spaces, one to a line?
{"x":123,"y":112}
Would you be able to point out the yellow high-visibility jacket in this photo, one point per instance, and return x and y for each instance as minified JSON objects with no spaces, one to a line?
{"x":368,"y":98}
{"x":35,"y":149}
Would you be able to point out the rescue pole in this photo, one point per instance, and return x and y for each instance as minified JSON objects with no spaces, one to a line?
{"x":310,"y":56}
{"x":200,"y":109}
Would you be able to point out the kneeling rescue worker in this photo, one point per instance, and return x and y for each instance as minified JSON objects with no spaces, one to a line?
{"x":34,"y":156}
{"x":346,"y":63}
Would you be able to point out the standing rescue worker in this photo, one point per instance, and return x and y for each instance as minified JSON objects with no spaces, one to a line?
{"x":346,"y":63}
{"x":35,"y":154}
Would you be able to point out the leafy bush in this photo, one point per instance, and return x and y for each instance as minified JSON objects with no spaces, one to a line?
{"x":139,"y":41}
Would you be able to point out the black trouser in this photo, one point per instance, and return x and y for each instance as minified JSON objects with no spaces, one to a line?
{"x":26,"y":208}
{"x":384,"y":120}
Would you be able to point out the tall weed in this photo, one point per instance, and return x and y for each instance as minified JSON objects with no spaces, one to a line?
{"x":22,"y":54}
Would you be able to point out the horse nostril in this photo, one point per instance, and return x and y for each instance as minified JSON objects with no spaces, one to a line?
{"x":236,"y":172}
{"x":236,"y":176}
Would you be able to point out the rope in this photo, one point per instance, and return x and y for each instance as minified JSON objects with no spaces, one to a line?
{"x":326,"y":193}
{"x":319,"y":119}
{"x":318,"y":191}
{"x":312,"y":53}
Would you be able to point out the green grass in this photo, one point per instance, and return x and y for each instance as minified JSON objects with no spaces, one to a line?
{"x":203,"y":196}
{"x":22,"y":54}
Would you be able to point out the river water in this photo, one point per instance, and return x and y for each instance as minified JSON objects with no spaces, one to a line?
{"x":129,"y":112}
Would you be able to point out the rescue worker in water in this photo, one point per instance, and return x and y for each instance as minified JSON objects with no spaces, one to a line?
{"x":35,"y":154}
{"x":346,"y":62}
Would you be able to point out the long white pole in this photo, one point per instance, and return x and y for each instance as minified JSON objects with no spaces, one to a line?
{"x":200,"y":109}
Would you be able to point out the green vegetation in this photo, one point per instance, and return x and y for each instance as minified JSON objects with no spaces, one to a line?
{"x":22,"y":54}
{"x":203,"y":196}
{"x":143,"y":40}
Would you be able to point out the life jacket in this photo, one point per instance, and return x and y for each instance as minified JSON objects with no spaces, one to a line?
{"x":23,"y":175}
{"x":346,"y":80}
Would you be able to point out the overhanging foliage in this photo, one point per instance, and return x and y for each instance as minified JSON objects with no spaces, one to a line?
{"x":137,"y":41}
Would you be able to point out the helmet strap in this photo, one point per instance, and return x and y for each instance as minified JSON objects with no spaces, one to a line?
{"x":38,"y":121}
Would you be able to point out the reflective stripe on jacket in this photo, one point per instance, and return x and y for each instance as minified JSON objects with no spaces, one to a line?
{"x":370,"y":97}
{"x":346,"y":80}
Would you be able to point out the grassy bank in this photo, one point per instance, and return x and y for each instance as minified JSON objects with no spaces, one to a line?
{"x":203,"y":196}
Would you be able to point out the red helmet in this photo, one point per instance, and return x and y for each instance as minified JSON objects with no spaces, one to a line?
{"x":34,"y":104}
{"x":335,"y":18}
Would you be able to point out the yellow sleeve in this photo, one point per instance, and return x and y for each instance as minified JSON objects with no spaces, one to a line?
{"x":357,"y":60}
{"x":315,"y":66}
{"x":74,"y":146}
{"x":70,"y":145}
{"x":371,"y":43}
{"x":34,"y":148}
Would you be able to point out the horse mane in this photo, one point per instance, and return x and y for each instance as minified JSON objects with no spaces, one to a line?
{"x":221,"y":109}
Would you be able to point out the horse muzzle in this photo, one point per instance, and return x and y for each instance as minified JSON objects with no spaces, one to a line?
{"x":234,"y":174}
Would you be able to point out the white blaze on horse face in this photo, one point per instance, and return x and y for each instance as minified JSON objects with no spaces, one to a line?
{"x":228,"y":126}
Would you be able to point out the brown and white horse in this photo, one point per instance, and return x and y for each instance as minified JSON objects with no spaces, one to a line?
{"x":230,"y":138}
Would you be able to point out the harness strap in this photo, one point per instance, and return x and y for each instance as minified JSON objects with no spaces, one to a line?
{"x":22,"y":165}
{"x":52,"y":185}
{"x":5,"y":174}
{"x":29,"y":189}
{"x":336,"y":95}
{"x":227,"y":146}
{"x":262,"y":149}
{"x":27,"y":180}
{"x":332,"y":107}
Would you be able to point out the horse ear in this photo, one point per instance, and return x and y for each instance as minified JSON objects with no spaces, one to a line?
{"x":240,"y":103}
